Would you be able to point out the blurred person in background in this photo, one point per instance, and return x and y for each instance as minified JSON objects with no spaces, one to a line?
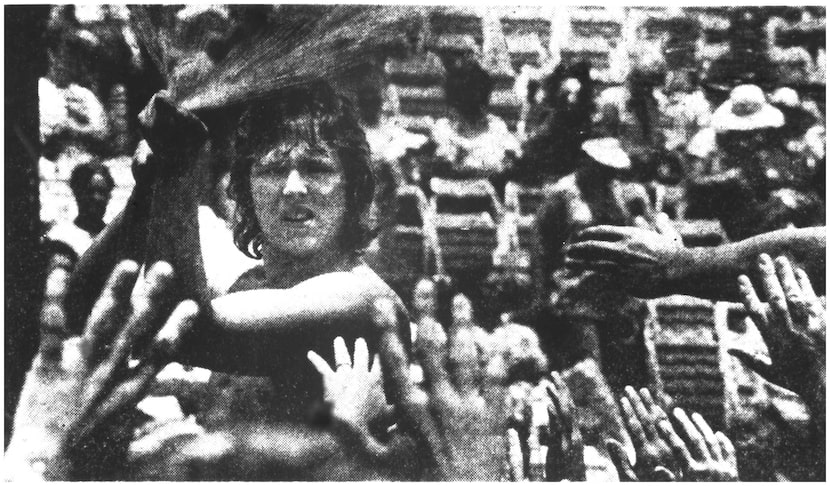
{"x":471,"y":142}
{"x":73,"y":122}
{"x":755,"y":185}
{"x":92,"y":185}
{"x":553,"y":149}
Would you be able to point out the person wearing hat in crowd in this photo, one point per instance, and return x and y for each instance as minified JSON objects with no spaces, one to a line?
{"x":592,"y":195}
{"x":754,"y":185}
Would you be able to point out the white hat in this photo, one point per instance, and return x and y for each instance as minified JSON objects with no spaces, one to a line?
{"x":608,"y":152}
{"x":785,"y":96}
{"x":746,"y":109}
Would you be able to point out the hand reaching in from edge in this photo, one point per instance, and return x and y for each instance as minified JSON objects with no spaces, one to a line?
{"x":642,"y":259}
{"x":704,"y":455}
{"x":78,"y":386}
{"x":654,"y":458}
{"x":354,"y":390}
{"x":792,"y":325}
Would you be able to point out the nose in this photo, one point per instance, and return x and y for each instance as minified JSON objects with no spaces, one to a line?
{"x":295,"y":185}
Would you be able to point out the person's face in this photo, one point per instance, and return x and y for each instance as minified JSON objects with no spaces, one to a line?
{"x":299,"y":196}
{"x":92,"y":202}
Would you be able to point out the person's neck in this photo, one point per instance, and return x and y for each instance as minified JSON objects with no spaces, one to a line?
{"x":283,"y":270}
{"x":91,"y":224}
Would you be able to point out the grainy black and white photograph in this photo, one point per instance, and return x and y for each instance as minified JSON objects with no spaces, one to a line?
{"x":469,"y":242}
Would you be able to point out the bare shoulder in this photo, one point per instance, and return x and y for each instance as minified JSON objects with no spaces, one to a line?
{"x":360,"y":280}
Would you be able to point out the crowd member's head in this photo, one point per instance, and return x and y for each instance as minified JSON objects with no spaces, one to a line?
{"x":467,"y":89}
{"x":301,"y":179}
{"x":569,"y":91}
{"x":92,"y":185}
{"x":746,"y":121}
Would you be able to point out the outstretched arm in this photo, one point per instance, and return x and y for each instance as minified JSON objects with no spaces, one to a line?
{"x":652,"y":264}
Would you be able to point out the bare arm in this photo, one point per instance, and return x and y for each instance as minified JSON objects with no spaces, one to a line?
{"x":243,"y":331}
{"x":652,"y":264}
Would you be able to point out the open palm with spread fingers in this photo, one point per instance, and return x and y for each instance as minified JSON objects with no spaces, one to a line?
{"x":354,"y":390}
{"x":704,"y":455}
{"x":80,"y":385}
{"x":654,"y":458}
{"x":792,"y":324}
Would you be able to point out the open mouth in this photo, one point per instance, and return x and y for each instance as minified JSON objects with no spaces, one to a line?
{"x":298,"y":215}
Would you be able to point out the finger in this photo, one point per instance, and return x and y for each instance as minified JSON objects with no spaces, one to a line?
{"x":146,"y":312}
{"x":320,"y":364}
{"x":110,"y":310}
{"x":514,"y":455}
{"x":168,"y":340}
{"x":536,"y":461}
{"x":677,"y":445}
{"x":640,"y":410}
{"x":806,"y":285}
{"x":774,"y":293}
{"x":696,"y":441}
{"x":727,"y":450}
{"x":432,"y":343}
{"x":635,"y":428}
{"x":665,"y":227}
{"x":753,"y":305}
{"x":656,"y":413}
{"x":52,"y":317}
{"x":376,"y":371}
{"x":620,"y":460}
{"x":601,"y":250}
{"x":604,"y":233}
{"x":754,"y":364}
{"x":603,"y":266}
{"x":361,"y":355}
{"x":708,"y":435}
{"x":414,"y":416}
{"x":341,"y":353}
{"x":796,"y":302}
{"x":642,"y":223}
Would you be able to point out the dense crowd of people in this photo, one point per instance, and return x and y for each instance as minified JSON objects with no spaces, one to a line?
{"x":235,"y":322}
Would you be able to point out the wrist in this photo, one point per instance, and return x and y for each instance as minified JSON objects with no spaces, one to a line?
{"x":679,"y":269}
{"x":33,"y":454}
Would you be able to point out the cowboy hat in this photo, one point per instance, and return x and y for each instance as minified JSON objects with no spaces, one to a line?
{"x":608,"y":152}
{"x":746,"y":109}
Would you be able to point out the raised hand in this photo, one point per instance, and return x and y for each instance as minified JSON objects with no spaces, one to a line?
{"x":169,"y":129}
{"x":644,"y":260}
{"x":78,"y":386}
{"x":792,"y":325}
{"x":458,"y":426}
{"x":654,"y":458}
{"x":355,"y":391}
{"x":566,"y":452}
{"x":704,"y":455}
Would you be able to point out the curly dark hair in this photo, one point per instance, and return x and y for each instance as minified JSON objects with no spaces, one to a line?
{"x":264,"y":121}
{"x":83,"y":173}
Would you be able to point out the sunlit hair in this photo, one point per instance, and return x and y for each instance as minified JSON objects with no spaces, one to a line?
{"x":315,"y":114}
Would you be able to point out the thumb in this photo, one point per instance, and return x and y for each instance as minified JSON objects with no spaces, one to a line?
{"x":620,"y":460}
{"x":754,"y":364}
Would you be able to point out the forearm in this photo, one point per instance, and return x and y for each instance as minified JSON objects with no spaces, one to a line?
{"x":123,"y":239}
{"x":713,"y":272}
{"x":268,"y":324}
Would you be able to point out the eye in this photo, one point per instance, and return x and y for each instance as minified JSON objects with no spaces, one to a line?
{"x":272,"y":163}
{"x":319,"y":166}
